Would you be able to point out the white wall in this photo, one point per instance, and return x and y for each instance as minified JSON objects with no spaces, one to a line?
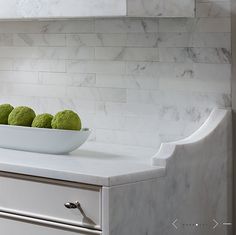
{"x":134,"y":81}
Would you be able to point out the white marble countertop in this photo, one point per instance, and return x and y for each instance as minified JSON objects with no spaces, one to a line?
{"x":93,"y":163}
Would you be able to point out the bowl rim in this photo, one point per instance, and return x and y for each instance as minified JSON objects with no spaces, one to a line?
{"x":28,"y":128}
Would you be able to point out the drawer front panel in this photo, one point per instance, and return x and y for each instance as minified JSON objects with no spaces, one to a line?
{"x":15,"y":225}
{"x":47,"y":199}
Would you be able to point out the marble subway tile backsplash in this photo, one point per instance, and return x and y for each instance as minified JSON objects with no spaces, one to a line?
{"x":133,"y":81}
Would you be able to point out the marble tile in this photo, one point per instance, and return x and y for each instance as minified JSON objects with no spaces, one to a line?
{"x":43,"y":27}
{"x":213,"y":9}
{"x":6,"y":64}
{"x":67,"y":79}
{"x":72,"y":26}
{"x":48,"y":53}
{"x":142,"y":40}
{"x":127,"y":137}
{"x":193,"y":85}
{"x":185,"y":99}
{"x":126,"y":54}
{"x":97,"y":94}
{"x":19,"y":77}
{"x":6,"y":39}
{"x":213,"y":72}
{"x":19,"y":52}
{"x":80,"y":53}
{"x":96,"y":39}
{"x":213,"y":25}
{"x":126,"y":81}
{"x":159,"y":8}
{"x":32,"y":89}
{"x":100,"y":67}
{"x":39,"y":65}
{"x":205,"y":24}
{"x":196,"y":55}
{"x":173,"y":70}
{"x":113,"y":39}
{"x":160,"y":69}
{"x":181,"y":25}
{"x":217,"y":40}
{"x":126,"y":25}
{"x":174,"y":39}
{"x":24,"y":39}
{"x":51,"y":53}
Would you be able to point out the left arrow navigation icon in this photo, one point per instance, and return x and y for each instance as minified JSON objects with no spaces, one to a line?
{"x":175,"y":224}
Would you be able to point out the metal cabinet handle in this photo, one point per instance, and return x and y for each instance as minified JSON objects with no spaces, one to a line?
{"x":72,"y":205}
{"x":76,"y":205}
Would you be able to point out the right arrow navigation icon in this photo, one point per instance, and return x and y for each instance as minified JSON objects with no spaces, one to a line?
{"x":215,"y":223}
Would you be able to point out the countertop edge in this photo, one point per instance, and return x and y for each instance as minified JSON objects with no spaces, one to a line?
{"x":116,"y":180}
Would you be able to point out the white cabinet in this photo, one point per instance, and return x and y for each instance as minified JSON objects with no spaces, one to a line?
{"x":29,"y":9}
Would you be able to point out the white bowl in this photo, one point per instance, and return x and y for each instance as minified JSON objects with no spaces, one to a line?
{"x":42,"y":140}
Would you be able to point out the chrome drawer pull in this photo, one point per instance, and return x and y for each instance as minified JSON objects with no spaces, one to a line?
{"x":76,"y":205}
{"x":72,"y":205}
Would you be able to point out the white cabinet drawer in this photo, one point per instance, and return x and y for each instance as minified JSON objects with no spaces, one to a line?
{"x":46,"y":199}
{"x":18,"y":225}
